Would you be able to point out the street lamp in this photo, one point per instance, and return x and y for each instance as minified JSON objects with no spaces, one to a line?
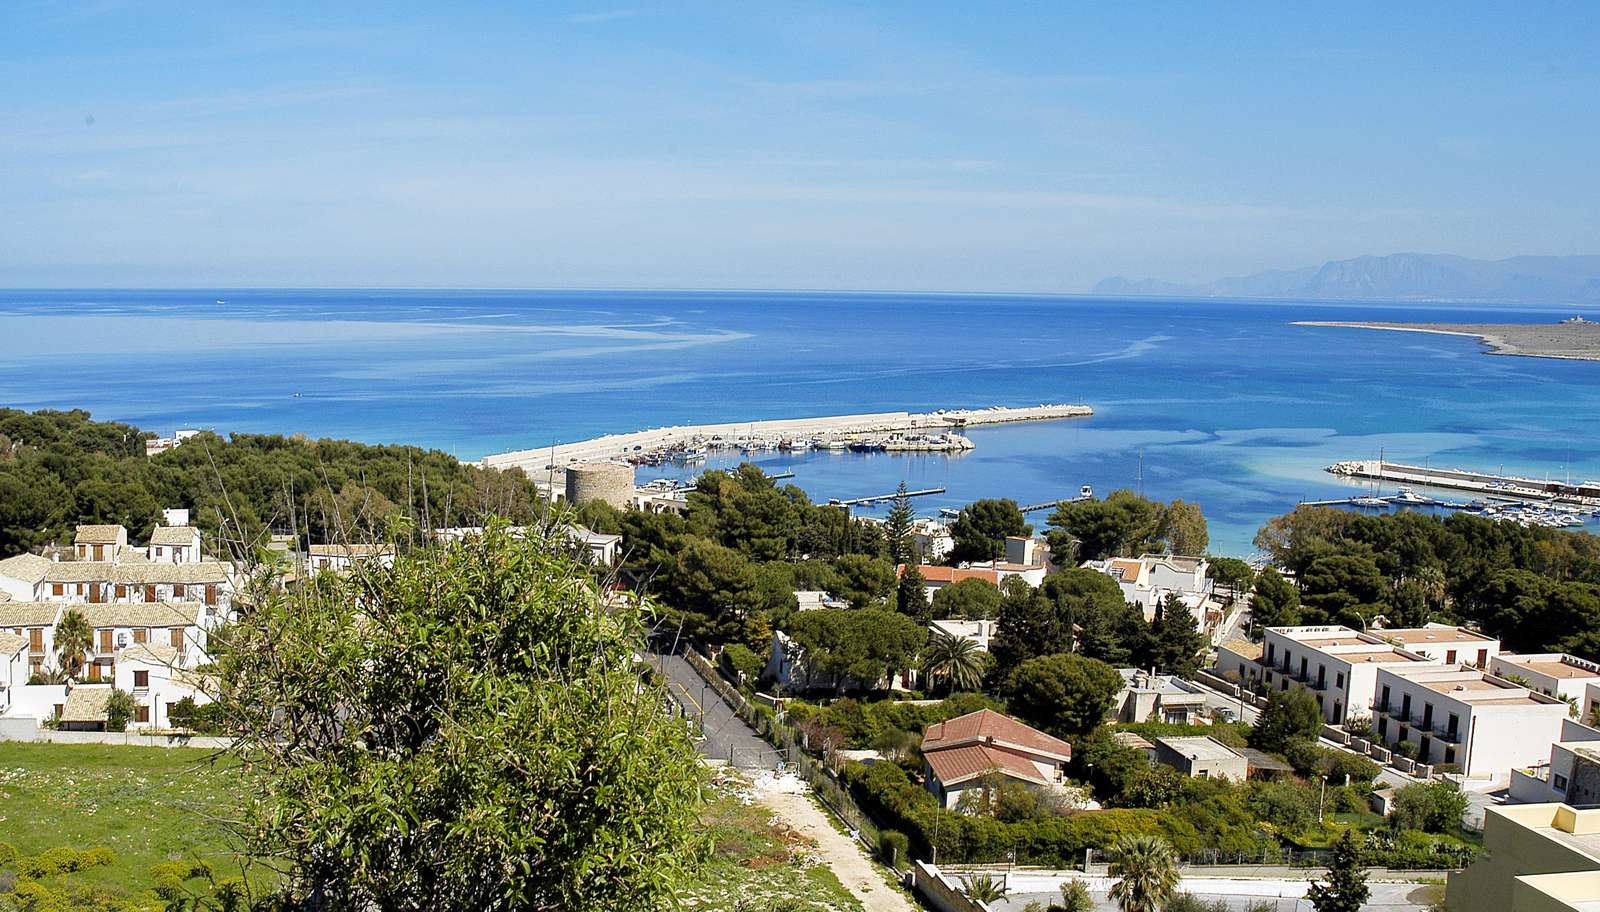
{"x":1321,"y":792}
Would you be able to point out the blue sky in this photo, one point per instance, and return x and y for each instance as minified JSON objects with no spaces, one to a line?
{"x":917,"y":145}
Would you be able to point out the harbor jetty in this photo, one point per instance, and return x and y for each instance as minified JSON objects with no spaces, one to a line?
{"x":936,"y":432}
{"x":1506,"y":487}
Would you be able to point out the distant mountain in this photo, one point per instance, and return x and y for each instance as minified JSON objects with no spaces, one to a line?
{"x":1523,"y":279}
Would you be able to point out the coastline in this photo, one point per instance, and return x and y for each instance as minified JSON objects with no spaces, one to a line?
{"x":1528,"y":340}
{"x":613,"y":446}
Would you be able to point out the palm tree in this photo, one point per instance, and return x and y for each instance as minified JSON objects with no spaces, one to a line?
{"x":983,"y":888}
{"x":955,"y":659}
{"x":1148,"y":870}
{"x":74,"y":638}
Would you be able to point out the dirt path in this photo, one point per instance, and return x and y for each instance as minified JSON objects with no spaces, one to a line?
{"x":841,"y":853}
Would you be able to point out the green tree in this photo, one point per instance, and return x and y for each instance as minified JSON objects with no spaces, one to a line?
{"x":1029,"y":625}
{"x":74,"y":639}
{"x":1334,"y":583}
{"x":1183,"y":528}
{"x":1066,"y":695}
{"x":466,"y":730}
{"x":120,"y":709}
{"x":911,"y":595}
{"x":1233,"y":573}
{"x":897,"y":528}
{"x":952,"y":662}
{"x":1175,"y":642}
{"x":1147,"y":873}
{"x":984,"y":888}
{"x":864,"y":646}
{"x":1122,"y":523}
{"x":714,"y":581}
{"x":979,"y":533}
{"x":863,"y":581}
{"x":1344,"y":887}
{"x":1275,"y":603}
{"x":1435,"y":807}
{"x":1289,"y":716}
{"x":971,"y":598}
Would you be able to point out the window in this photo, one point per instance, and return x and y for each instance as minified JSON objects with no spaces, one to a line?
{"x":1383,"y":704}
{"x":1338,"y":680}
{"x":141,"y":635}
{"x":57,"y":589}
{"x":1483,"y":657}
{"x":141,"y":679}
{"x":1450,"y":657}
{"x":1558,"y":781}
{"x":1453,"y":728}
{"x":142,"y":714}
{"x":105,"y":640}
{"x":1383,"y":727}
{"x":177,"y":590}
{"x":1271,"y":648}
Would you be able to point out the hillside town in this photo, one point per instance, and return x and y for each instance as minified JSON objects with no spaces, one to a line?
{"x":966,"y":691}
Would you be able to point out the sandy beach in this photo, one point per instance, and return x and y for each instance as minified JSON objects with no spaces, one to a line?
{"x":1569,"y":341}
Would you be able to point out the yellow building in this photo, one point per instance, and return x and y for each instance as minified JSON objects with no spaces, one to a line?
{"x":1537,"y":858}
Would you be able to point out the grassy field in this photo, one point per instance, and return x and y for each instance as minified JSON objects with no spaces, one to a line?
{"x":153,"y":805}
{"x":147,"y":804}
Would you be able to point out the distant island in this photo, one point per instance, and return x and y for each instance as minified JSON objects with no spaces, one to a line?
{"x":1575,"y":339}
{"x":1415,"y":276}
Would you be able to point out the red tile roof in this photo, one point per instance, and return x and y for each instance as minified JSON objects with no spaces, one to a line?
{"x":935,"y":574}
{"x":958,"y":764}
{"x":991,"y":728}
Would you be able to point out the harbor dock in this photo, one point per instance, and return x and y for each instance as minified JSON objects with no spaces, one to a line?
{"x":1508,"y":487}
{"x":938,"y":431}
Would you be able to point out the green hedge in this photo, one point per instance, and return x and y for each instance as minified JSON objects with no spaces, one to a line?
{"x":884,"y":791}
{"x":863,"y":723}
{"x":63,"y":860}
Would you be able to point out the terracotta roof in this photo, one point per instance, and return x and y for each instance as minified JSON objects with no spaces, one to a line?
{"x":137,"y":573}
{"x":28,"y":614}
{"x":99,"y":535}
{"x":958,"y":764}
{"x":30,"y":568}
{"x":86,"y":704}
{"x":173,"y":535}
{"x":141,"y":614}
{"x":936,"y":574}
{"x":989,"y":727}
{"x":151,"y":653}
{"x":11,"y":644}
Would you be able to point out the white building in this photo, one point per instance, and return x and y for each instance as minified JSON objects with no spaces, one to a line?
{"x":35,"y":622}
{"x":1462,"y":715}
{"x":159,"y":677}
{"x":341,"y":558}
{"x":1147,"y":697}
{"x":816,"y":600}
{"x":22,"y":577}
{"x":100,"y":543}
{"x":1027,"y":551}
{"x":1444,"y":643}
{"x":1554,"y":674}
{"x":965,"y":752}
{"x":14,"y":671}
{"x":979,"y":632}
{"x":932,"y":539}
{"x":1202,"y":757}
{"x":603,"y":550}
{"x":1339,"y":666}
{"x":1572,"y":770}
{"x":174,"y":545}
{"x":1147,"y":580}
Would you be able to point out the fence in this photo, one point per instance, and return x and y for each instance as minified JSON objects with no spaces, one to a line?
{"x":26,"y":728}
{"x":790,"y":746}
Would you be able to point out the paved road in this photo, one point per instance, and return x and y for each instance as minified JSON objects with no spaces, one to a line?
{"x":727,"y":737}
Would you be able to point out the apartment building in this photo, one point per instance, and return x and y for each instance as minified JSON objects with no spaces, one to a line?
{"x":175,"y":626}
{"x":22,"y":577}
{"x":1147,"y":580}
{"x":1339,"y":666}
{"x":1536,"y":858}
{"x":157,"y":677}
{"x":1444,"y":643}
{"x":1554,"y":674}
{"x":1466,"y":716}
{"x":340,"y":558}
{"x":35,"y":623}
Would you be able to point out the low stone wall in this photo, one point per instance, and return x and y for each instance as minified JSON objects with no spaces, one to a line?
{"x":939,"y":892}
{"x":26,"y":728}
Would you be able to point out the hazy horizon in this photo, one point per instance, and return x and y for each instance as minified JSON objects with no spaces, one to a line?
{"x":906,"y":147}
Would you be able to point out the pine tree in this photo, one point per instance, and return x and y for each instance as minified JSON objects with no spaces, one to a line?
{"x":1345,"y":889}
{"x":897,"y":528}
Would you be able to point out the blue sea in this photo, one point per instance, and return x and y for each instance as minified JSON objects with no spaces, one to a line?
{"x":1223,"y":403}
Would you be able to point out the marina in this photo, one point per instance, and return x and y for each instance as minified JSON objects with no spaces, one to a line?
{"x":1505,"y":487}
{"x":1519,"y":507}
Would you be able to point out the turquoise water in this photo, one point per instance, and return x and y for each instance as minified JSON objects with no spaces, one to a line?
{"x":1229,"y":404}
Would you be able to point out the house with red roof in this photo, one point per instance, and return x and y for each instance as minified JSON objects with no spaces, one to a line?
{"x":964,"y":752}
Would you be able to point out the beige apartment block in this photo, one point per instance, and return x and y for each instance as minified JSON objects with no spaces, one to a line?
{"x":1536,"y":858}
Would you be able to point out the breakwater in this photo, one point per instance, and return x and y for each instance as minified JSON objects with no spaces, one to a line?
{"x":1508,"y":487}
{"x":895,"y":431}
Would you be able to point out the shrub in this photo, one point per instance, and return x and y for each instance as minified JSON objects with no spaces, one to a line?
{"x":63,"y":860}
{"x":893,"y":847}
{"x":120,"y":708}
{"x":8,"y":854}
{"x":1435,"y":807}
{"x":1339,"y":764}
{"x":742,"y":663}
